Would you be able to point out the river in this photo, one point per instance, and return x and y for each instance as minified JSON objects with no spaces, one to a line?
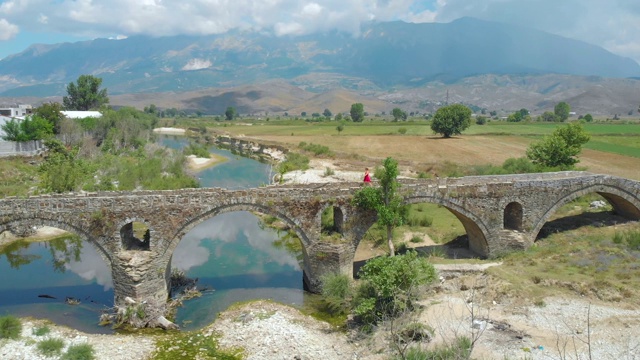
{"x":233,"y":255}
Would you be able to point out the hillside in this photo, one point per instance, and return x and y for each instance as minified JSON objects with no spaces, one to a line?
{"x":388,"y":55}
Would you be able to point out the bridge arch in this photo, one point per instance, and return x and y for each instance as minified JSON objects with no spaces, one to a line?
{"x":624,"y":203}
{"x":128,"y":240}
{"x":84,"y":235}
{"x":338,"y":217}
{"x":477,"y":231}
{"x":512,"y":218}
{"x":193,"y":222}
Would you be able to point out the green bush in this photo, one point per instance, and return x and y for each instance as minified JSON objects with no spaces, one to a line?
{"x":10,"y":327}
{"x":416,"y":239}
{"x":337,"y":293}
{"x":79,"y":352}
{"x":402,"y":131}
{"x":315,"y":149}
{"x":417,"y":220}
{"x":389,"y":285}
{"x":41,"y":331}
{"x":198,"y":150}
{"x":50,"y":347}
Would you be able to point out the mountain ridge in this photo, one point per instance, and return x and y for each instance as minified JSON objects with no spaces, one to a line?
{"x":385,"y":56}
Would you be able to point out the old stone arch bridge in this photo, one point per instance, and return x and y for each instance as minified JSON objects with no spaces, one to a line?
{"x":499,"y":213}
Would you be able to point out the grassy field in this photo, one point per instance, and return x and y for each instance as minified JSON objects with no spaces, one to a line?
{"x":614,"y":148}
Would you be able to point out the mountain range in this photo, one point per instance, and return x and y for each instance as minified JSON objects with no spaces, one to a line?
{"x":393,"y":62}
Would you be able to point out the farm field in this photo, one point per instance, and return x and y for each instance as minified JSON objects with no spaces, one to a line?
{"x":613,"y":149}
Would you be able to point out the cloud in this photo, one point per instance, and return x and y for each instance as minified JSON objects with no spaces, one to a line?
{"x":614,"y":24}
{"x":7,"y":30}
{"x":197,"y":64}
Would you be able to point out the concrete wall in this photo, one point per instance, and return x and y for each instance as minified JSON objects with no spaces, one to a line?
{"x":26,"y":148}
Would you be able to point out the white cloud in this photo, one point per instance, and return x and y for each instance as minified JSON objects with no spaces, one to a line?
{"x":613,"y":24}
{"x":7,"y":30}
{"x":197,"y":64}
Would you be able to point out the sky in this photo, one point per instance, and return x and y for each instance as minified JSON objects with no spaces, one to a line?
{"x":612,"y":24}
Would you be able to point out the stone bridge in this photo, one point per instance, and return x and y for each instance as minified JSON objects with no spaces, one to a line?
{"x":499,"y":214}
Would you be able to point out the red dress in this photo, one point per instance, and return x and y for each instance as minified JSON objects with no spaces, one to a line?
{"x":367,"y":178}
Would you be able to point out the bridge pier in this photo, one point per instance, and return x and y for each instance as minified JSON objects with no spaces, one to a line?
{"x":140,"y":276}
{"x":326,"y":258}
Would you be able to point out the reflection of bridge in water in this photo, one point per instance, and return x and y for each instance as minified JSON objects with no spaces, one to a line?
{"x":499,"y":213}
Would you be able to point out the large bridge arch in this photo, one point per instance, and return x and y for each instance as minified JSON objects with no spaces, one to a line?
{"x":84,"y":235}
{"x":624,"y":203}
{"x":477,"y":231}
{"x":189,"y":224}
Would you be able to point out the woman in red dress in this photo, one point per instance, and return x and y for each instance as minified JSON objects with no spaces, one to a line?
{"x":367,"y":178}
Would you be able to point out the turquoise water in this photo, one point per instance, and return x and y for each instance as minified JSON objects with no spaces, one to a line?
{"x":234,"y":257}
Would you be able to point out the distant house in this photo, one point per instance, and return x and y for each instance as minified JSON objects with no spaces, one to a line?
{"x":19,"y":111}
{"x":81,"y":114}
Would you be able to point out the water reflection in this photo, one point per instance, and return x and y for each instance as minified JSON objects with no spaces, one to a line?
{"x":234,"y":254}
{"x":28,"y":287}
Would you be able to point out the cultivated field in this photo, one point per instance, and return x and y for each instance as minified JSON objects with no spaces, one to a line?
{"x":614,"y":148}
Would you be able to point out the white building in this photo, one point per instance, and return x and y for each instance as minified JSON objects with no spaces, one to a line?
{"x":81,"y":114}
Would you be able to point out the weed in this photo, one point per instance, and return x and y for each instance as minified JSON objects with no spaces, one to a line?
{"x":41,"y":331}
{"x":50,"y":347}
{"x":79,"y":352}
{"x":416,"y":239}
{"x":10,"y":327}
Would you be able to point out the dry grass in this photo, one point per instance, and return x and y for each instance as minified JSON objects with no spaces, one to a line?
{"x":421,"y":153}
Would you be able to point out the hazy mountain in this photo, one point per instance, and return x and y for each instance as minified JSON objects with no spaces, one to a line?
{"x":386,"y":55}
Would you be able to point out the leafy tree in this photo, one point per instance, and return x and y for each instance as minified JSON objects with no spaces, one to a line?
{"x":338,"y":117}
{"x":549,"y":117}
{"x":85,"y":94}
{"x":31,"y":128}
{"x":398,"y":114}
{"x":151,"y":109}
{"x":588,"y":118}
{"x":560,"y":148}
{"x":327,"y":113}
{"x":451,"y":120}
{"x":385,"y":199}
{"x":357,"y":112}
{"x":340,"y":128}
{"x":52,"y":113}
{"x":304,"y":113}
{"x":230,"y":113}
{"x":562,"y":110}
{"x":481,"y":120}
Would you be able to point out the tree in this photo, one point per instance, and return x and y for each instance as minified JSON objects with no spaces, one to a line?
{"x":560,"y":148}
{"x":340,"y":128}
{"x":31,"y":128}
{"x":357,"y":112}
{"x":549,"y":117}
{"x":52,"y":113}
{"x":562,"y":110}
{"x":230,"y":113}
{"x":398,"y":114}
{"x":451,"y":120}
{"x":338,"y":117}
{"x":588,"y":118}
{"x":327,"y":113}
{"x":385,"y":200}
{"x":86,"y":94}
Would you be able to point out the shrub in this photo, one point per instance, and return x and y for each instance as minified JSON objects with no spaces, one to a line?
{"x":10,"y":327}
{"x":328,"y":171}
{"x":50,"y":347}
{"x":389,"y":284}
{"x":416,"y":220}
{"x":402,"y":131}
{"x":459,"y":349}
{"x":416,"y":239}
{"x":41,"y":331}
{"x":336,"y":292}
{"x":79,"y":352}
